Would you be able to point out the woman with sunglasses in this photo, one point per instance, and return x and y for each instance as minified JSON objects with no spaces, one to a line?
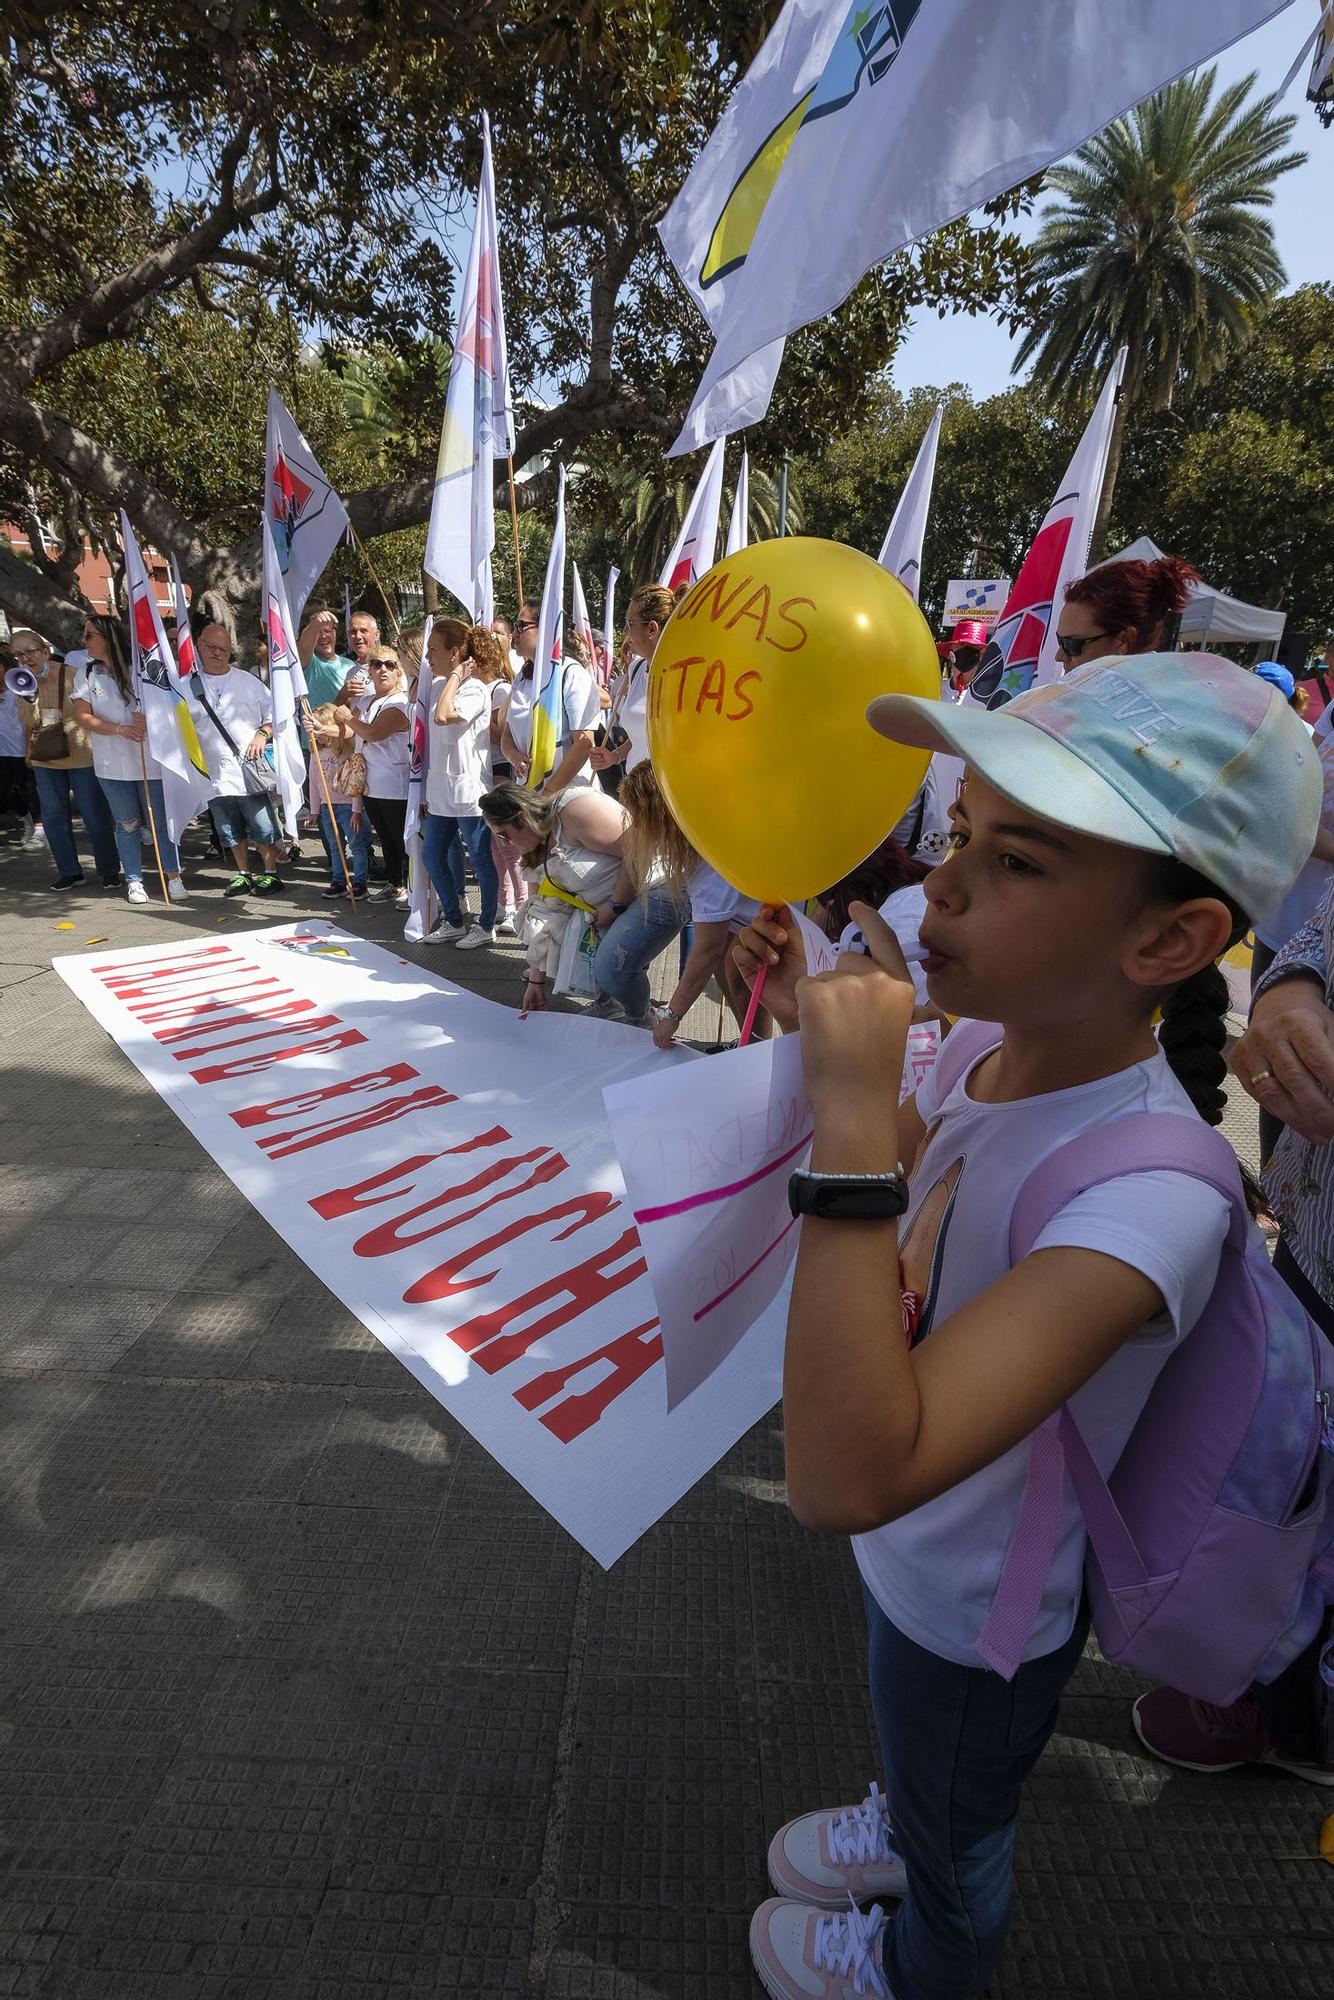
{"x":379,"y":722}
{"x":1122,"y":607}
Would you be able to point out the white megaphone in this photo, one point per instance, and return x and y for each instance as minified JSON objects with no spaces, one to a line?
{"x":21,"y":681}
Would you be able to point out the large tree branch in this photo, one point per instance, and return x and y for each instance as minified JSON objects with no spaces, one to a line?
{"x":32,"y":599}
{"x":113,"y":306}
{"x":94,"y":469}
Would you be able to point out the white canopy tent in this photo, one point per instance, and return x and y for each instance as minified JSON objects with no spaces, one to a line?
{"x":1212,"y":617}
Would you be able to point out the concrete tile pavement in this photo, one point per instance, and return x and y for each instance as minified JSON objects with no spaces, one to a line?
{"x":301,"y":1696}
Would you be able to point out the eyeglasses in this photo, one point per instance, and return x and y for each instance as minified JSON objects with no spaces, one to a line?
{"x":526,"y":625}
{"x":1073,"y":644}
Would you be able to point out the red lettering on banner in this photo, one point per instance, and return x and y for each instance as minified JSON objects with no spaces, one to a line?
{"x":177,"y":958}
{"x":255,"y":1032}
{"x":388,"y":1237}
{"x":153,"y":979}
{"x":251,"y":1065}
{"x":281,"y":1010}
{"x":784,"y":612}
{"x":446,"y":1279}
{"x":281,"y":1145}
{"x":283,"y":1108}
{"x":180,"y":1006}
{"x":578,"y":1289}
{"x":628,"y":1357}
{"x":347,"y":1200}
{"x":740,"y":714}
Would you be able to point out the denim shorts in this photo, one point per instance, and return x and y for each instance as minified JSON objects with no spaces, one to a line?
{"x":249,"y":817}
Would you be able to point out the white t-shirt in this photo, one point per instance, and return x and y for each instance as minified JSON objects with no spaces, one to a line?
{"x":387,"y":760}
{"x":582,"y":709}
{"x":521,"y":709}
{"x":12,"y":738}
{"x":459,"y":763}
{"x":1275,"y":927}
{"x":903,"y":912}
{"x":113,"y":756}
{"x":935,"y":1571}
{"x":632,"y":715}
{"x":713,"y":901}
{"x":241,"y":702}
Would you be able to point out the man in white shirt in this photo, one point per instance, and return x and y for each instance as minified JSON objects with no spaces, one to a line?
{"x":234,"y":732}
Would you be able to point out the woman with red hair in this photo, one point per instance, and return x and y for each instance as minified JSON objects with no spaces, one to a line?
{"x":1121,"y":607}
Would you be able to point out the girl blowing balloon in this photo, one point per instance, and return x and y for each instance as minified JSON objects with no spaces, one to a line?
{"x":1115,"y":832}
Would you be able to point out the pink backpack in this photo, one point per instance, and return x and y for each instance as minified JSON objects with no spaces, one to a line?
{"x":1211,"y":1543}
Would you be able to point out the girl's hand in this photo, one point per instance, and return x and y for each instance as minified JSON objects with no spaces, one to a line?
{"x":604,"y":916}
{"x":136,"y":728}
{"x":854,"y":1025}
{"x":664,"y":1032}
{"x":1286,"y":1057}
{"x":535,"y":997}
{"x":771,"y":939}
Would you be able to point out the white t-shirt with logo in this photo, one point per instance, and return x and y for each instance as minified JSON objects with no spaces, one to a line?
{"x":113,"y":756}
{"x":457,"y":772}
{"x":935,"y":1571}
{"x":581,"y":711}
{"x":387,"y":760}
{"x":241,"y":702}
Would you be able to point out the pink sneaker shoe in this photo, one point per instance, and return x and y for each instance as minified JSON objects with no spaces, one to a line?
{"x":805,"y":1954}
{"x":826,"y":1859}
{"x":1200,"y":1737}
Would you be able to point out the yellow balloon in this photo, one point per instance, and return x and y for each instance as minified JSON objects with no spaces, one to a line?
{"x":757,"y":713}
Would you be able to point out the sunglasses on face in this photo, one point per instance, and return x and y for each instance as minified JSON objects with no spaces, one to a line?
{"x":526,"y":625}
{"x":1073,"y":644}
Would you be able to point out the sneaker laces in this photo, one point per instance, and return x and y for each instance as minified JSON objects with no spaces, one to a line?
{"x":862,"y":1833}
{"x":1239,"y":1718}
{"x":845,"y":1944}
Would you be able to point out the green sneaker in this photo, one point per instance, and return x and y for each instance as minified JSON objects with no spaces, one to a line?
{"x":240,"y":885}
{"x":268,"y":885}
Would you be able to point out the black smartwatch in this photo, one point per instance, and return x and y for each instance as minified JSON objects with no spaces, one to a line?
{"x":848,"y":1197}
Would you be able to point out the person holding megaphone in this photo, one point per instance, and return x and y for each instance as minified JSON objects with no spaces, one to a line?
{"x":60,"y":757}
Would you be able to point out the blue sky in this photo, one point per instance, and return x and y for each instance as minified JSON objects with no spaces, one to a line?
{"x":977,"y":352}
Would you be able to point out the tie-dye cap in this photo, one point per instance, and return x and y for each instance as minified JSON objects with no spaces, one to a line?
{"x":1174,"y":753}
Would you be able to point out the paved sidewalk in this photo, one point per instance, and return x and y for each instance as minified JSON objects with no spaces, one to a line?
{"x":301,"y":1696}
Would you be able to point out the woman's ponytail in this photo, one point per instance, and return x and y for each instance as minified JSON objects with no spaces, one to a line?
{"x":1193,"y":1037}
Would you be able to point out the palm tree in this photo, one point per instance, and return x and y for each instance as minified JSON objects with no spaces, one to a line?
{"x":1158,"y":246}
{"x":648,"y":509}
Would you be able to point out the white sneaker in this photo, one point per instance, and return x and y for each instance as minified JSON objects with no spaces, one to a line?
{"x":805,"y":1954}
{"x":444,"y":934}
{"x":176,"y":889}
{"x":33,"y":839}
{"x":824,"y":1857}
{"x":507,"y":927}
{"x":478,"y":934}
{"x":136,"y":893}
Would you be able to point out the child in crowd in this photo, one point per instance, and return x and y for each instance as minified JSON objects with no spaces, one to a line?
{"x":1115,"y":833}
{"x":331,"y":746}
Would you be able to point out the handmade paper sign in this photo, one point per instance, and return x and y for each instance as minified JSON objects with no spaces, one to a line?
{"x":706,"y":1153}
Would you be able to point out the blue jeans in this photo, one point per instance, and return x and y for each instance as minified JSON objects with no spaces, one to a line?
{"x":356,"y":845}
{"x":54,"y":789}
{"x":125,"y":796}
{"x":442,"y":840}
{"x":957,"y":1744}
{"x":631,"y":945}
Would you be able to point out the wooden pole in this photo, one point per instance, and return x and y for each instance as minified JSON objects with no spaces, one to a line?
{"x":152,"y":825}
{"x":364,"y":553}
{"x":514,"y":521}
{"x":328,"y":800}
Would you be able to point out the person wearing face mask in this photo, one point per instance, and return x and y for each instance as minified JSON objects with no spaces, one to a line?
{"x":1121,"y":607}
{"x":961,"y":653}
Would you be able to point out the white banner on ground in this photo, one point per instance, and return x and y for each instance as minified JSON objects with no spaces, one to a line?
{"x":448,"y":1171}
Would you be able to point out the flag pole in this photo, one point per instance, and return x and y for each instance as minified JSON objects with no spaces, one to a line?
{"x":365,"y":555}
{"x":152,"y":825}
{"x":309,"y":720}
{"x":514,"y":520}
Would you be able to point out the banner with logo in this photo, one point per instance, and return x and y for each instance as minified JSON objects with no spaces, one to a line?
{"x":980,"y":597}
{"x":448,"y":1171}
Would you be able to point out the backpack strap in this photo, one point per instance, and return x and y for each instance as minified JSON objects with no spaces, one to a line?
{"x":961,"y":1048}
{"x":1145,"y":1142}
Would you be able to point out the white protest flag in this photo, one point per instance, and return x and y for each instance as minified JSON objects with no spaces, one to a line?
{"x":580,"y":622}
{"x":738,"y":528}
{"x":609,"y":623}
{"x":190,"y":715}
{"x":479,"y":417}
{"x":548,"y":661}
{"x":306,"y":517}
{"x":901,"y":553}
{"x":173,"y":741}
{"x":287,"y":684}
{"x":1022,"y":651}
{"x":697,"y":230}
{"x":916,"y":115}
{"x":697,"y":544}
